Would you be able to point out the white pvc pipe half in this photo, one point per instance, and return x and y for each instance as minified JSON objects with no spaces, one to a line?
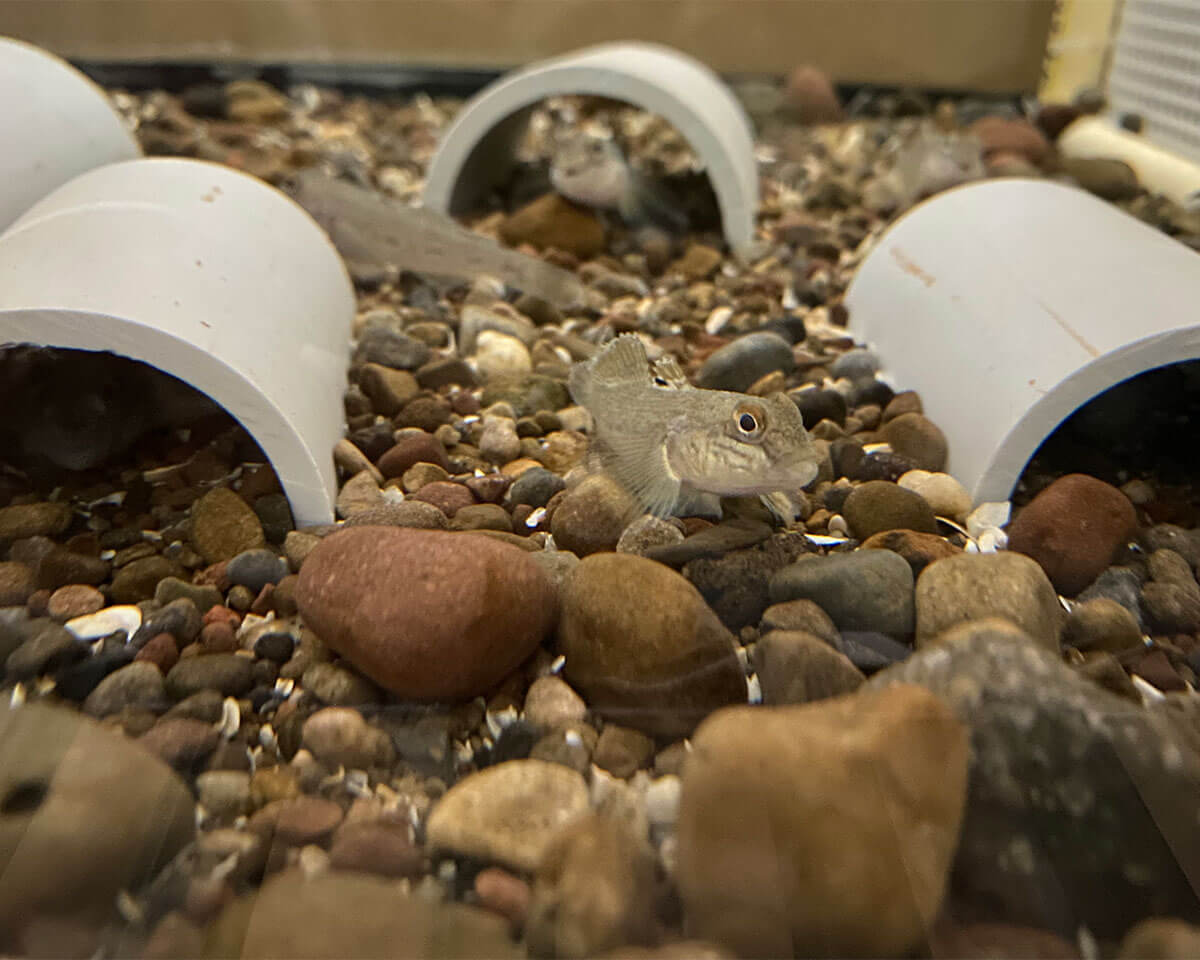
{"x":1009,"y":304}
{"x":54,"y":124}
{"x":207,"y":274}
{"x":477,"y":149}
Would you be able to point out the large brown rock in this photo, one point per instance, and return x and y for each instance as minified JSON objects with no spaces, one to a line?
{"x":642,"y":646}
{"x":1082,"y":809}
{"x":344,"y":914}
{"x":917,"y":439}
{"x":821,"y":830}
{"x":84,"y":813}
{"x":1012,"y":135}
{"x":1072,"y":529}
{"x":796,"y":667}
{"x":975,"y":586}
{"x":878,"y":506}
{"x":552,"y":221}
{"x":426,"y":614}
{"x":595,"y":889}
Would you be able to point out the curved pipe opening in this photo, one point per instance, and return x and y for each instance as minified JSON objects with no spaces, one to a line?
{"x":229,"y":392}
{"x":1138,"y":429}
{"x":477,"y":149}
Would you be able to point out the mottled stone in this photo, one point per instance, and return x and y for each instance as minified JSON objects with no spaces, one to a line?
{"x":228,"y":673}
{"x":507,"y":813}
{"x":770,"y":791}
{"x":795,"y":667}
{"x":867,"y":590}
{"x":918,"y":549}
{"x":86,"y":814}
{"x":975,"y":586}
{"x":643,"y":648}
{"x":341,"y":737}
{"x":223,"y":525}
{"x":878,"y":506}
{"x":34,"y":520}
{"x":1076,"y":794}
{"x":343,"y":914}
{"x":1101,"y":624}
{"x":595,"y":889}
{"x":918,"y":440}
{"x":591,"y":517}
{"x":138,"y":686}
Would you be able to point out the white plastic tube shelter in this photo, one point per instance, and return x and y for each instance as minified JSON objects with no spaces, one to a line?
{"x":477,"y":149}
{"x":54,"y":124}
{"x":207,"y":274}
{"x":1009,"y":304}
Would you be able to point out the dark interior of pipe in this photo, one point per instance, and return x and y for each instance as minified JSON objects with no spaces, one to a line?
{"x":1142,"y":430}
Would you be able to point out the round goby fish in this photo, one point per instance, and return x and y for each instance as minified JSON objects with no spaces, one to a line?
{"x":674,"y":446}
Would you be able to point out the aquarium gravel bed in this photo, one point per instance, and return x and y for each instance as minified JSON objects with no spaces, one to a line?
{"x":499,"y":710}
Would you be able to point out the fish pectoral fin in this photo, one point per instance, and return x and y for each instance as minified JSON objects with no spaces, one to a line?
{"x":667,"y":368}
{"x":639,"y":464}
{"x":697,"y":503}
{"x":780,"y":506}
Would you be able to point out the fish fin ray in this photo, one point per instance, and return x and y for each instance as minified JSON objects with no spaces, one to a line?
{"x":638,"y":463}
{"x":621,"y":362}
{"x":668,"y":369}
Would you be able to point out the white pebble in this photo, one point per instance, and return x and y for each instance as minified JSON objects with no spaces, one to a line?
{"x":991,"y":514}
{"x":717,"y":319}
{"x":662,"y":800}
{"x":942,"y":492}
{"x":577,"y":418}
{"x":992,"y":539}
{"x":498,"y":355}
{"x":753,"y":689}
{"x":231,"y":718}
{"x":313,"y":861}
{"x":93,"y":626}
{"x":837,"y":524}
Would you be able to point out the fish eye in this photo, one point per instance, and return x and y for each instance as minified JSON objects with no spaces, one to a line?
{"x":749,"y":419}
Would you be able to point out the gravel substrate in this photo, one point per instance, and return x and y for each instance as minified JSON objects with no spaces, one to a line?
{"x":493,"y":711}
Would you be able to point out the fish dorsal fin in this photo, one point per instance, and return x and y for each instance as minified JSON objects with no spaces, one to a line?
{"x":621,"y":361}
{"x":668,"y":369}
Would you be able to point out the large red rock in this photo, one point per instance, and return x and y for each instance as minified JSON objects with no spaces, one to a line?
{"x":1072,"y":529}
{"x":1012,"y":135}
{"x":426,"y":614}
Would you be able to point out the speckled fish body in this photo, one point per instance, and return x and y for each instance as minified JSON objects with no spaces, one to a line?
{"x":592,"y":171}
{"x":675,"y":447}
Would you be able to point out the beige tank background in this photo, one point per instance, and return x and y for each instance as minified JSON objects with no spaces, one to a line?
{"x":980,"y":45}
